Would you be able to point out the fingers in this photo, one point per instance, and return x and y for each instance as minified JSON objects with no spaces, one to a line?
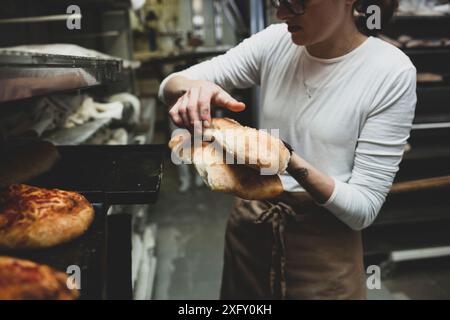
{"x":182,"y":111}
{"x":223,"y":99}
{"x":204,"y":105}
{"x":193,"y":109}
{"x":174,"y":115}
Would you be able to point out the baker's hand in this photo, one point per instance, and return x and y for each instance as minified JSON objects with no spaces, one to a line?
{"x":194,"y":106}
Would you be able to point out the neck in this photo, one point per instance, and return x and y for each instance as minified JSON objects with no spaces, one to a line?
{"x":338,"y":44}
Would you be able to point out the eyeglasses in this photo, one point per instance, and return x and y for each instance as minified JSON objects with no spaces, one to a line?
{"x":297,"y":7}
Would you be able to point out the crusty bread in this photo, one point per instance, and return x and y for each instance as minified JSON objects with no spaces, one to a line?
{"x":25,"y":159}
{"x":180,"y":144}
{"x":255,"y":148}
{"x":26,"y":280}
{"x":32,"y":218}
{"x":209,"y":160}
{"x":239,"y":180}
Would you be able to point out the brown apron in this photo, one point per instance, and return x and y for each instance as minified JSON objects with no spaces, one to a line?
{"x":290,"y":249}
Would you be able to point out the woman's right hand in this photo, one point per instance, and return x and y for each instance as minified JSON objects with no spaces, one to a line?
{"x":193,"y":108}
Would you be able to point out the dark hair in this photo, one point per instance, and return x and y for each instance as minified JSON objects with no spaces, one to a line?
{"x":388,"y":8}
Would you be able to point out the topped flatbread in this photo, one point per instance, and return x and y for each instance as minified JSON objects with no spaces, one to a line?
{"x":32,"y":217}
{"x":26,"y":280}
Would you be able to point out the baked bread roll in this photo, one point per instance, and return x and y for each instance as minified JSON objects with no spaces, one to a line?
{"x":25,"y":159}
{"x":255,"y":148}
{"x":33,"y":218}
{"x":209,"y":160}
{"x":26,"y":280}
{"x":429,"y":77}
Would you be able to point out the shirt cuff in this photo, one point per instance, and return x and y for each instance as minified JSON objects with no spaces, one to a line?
{"x":333,"y":195}
{"x":163,"y":85}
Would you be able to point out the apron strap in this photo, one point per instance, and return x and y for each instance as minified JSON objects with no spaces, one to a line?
{"x":277,"y":213}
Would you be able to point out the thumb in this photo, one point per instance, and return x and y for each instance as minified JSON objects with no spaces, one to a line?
{"x":223,"y":99}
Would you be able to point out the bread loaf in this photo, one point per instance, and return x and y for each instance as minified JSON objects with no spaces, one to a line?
{"x":209,"y":160}
{"x":255,"y":148}
{"x":25,"y":159}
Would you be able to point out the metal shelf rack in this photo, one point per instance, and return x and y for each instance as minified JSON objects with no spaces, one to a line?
{"x":26,"y":75}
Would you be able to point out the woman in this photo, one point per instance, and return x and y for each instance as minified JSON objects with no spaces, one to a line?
{"x":345,"y":101}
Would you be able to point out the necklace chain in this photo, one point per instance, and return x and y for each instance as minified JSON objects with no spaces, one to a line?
{"x":307,"y":88}
{"x":308,"y":91}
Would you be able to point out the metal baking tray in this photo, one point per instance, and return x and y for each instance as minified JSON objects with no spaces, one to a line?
{"x":89,"y":253}
{"x":128,"y":174}
{"x":25,"y":75}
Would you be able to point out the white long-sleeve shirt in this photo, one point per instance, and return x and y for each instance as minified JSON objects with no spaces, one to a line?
{"x":355,"y":125}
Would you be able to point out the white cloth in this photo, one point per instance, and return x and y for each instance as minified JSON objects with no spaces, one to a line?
{"x":355,"y":126}
{"x":134,"y":101}
{"x":45,"y":114}
{"x":90,"y":109}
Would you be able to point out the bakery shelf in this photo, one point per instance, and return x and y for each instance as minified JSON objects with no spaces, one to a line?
{"x":435,"y":94}
{"x":25,"y":75}
{"x":42,"y":8}
{"x":424,"y":221}
{"x":150,"y":59}
{"x":411,"y":17}
{"x":433,"y":202}
{"x":419,"y":26}
{"x":89,"y":253}
{"x":431,"y":125}
{"x":384,"y":238}
{"x":427,"y":152}
{"x":444,"y":84}
{"x":440,"y":119}
{"x":427,"y":51}
{"x":129,"y":174}
{"x":430,"y":150}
